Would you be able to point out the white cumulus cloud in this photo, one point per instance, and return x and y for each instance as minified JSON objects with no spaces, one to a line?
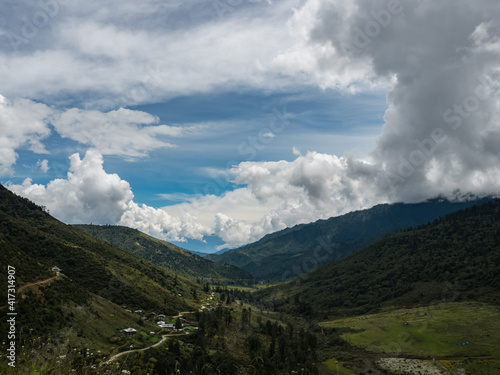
{"x":88,"y":194}
{"x":91,"y":195}
{"x":43,"y":165}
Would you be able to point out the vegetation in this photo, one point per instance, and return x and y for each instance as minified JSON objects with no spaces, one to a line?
{"x":78,"y":307}
{"x":292,"y":252}
{"x":34,"y":242}
{"x":73,"y":323}
{"x":167,"y":255}
{"x":456,"y":258}
{"x":232,"y":339}
{"x":439,"y":330}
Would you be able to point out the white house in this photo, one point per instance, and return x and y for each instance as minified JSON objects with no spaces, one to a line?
{"x":130,"y":331}
{"x":167,"y":326}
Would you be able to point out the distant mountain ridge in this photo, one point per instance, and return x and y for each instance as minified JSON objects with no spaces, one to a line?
{"x":455,"y":258}
{"x":199,"y":253}
{"x":166,"y":254}
{"x":293,"y":251}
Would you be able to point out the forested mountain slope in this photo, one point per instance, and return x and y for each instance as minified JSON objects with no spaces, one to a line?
{"x":455,"y":258}
{"x":293,"y":251}
{"x":166,"y":254}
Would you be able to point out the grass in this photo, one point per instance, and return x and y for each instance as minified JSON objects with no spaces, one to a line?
{"x":434,"y":331}
{"x":483,"y":367}
{"x":337,"y":370}
{"x":253,"y":288}
{"x":98,"y":323}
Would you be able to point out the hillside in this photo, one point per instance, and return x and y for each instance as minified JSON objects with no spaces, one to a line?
{"x":456,"y":258}
{"x":93,"y":273}
{"x":74,"y":322}
{"x":294,"y":251}
{"x":166,"y":254}
{"x":71,"y":323}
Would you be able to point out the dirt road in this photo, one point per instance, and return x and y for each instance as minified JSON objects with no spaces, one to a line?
{"x":142,"y":349}
{"x":36,"y":283}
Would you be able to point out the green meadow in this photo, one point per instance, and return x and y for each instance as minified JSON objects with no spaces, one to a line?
{"x":337,"y":367}
{"x":433,"y":331}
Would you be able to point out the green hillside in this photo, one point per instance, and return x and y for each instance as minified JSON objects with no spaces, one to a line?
{"x":93,"y":272}
{"x":294,"y":251}
{"x":166,"y":254}
{"x":460,"y":337}
{"x":73,"y":322}
{"x":434,"y":330}
{"x":456,"y":258}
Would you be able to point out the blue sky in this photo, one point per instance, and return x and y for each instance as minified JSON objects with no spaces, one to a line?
{"x":321,"y":120}
{"x":213,"y":123}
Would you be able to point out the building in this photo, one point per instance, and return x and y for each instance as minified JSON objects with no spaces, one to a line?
{"x":57,"y":270}
{"x":166,"y":326}
{"x":130,"y":331}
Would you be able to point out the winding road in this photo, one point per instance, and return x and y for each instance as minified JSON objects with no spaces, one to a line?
{"x":163,"y":337}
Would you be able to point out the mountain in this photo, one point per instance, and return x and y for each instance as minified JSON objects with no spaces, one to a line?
{"x":199,"y":253}
{"x":294,"y":251}
{"x":96,"y":277}
{"x":74,"y":322}
{"x":456,"y":258}
{"x":166,"y":254}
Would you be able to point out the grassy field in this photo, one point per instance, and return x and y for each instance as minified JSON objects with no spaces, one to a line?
{"x":253,"y":288}
{"x":482,"y":367}
{"x":429,"y":331}
{"x":337,"y":367}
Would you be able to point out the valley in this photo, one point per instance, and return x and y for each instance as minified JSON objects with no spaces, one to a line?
{"x":424,"y":300}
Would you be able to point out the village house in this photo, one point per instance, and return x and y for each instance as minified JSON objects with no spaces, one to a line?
{"x":130,"y":331}
{"x":167,"y":326}
{"x":57,"y":270}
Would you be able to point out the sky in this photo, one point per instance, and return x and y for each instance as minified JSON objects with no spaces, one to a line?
{"x":212,"y":123}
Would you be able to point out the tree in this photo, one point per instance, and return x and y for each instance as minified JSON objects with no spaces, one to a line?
{"x":178,"y":323}
{"x":244,"y":318}
{"x":206,"y":287}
